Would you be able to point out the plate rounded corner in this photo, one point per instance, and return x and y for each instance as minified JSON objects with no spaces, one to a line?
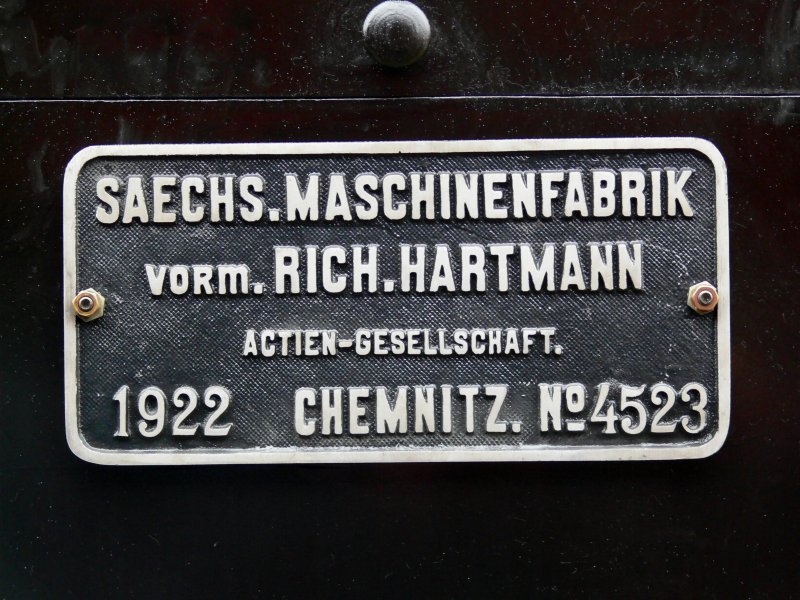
{"x":709,"y":150}
{"x":80,"y":158}
{"x":85,"y":452}
{"x":712,"y":446}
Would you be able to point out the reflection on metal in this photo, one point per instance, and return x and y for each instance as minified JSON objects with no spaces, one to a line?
{"x":396,"y":33}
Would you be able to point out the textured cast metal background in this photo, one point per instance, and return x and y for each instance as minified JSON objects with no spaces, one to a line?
{"x":623,"y":336}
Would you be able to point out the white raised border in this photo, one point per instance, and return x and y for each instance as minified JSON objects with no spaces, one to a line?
{"x":361,"y":455}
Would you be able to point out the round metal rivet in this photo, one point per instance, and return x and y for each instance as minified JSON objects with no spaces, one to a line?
{"x":396,"y":33}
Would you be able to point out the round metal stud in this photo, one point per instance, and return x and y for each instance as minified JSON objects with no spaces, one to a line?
{"x":396,"y":33}
{"x":89,"y":304}
{"x":703,"y":297}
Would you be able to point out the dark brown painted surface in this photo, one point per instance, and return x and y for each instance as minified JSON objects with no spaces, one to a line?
{"x":313,"y":48}
{"x":723,"y":527}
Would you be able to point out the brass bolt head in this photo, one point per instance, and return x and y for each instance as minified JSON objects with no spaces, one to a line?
{"x":89,"y":304}
{"x":703,"y":298}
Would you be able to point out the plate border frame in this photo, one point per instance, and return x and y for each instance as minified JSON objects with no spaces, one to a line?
{"x":269,"y":455}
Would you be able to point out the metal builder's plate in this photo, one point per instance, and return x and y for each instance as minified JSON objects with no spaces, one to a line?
{"x":408,"y":301}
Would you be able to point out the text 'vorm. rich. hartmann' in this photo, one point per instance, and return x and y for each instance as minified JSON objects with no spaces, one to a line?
{"x":465,"y":268}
